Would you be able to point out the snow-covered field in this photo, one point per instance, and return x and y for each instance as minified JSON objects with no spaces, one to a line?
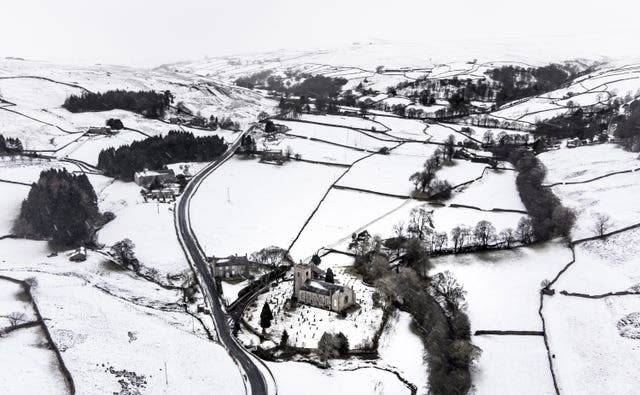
{"x":316,"y":150}
{"x":591,"y":356}
{"x":387,"y":173}
{"x":247,"y":205}
{"x":496,"y":189}
{"x":14,"y":299}
{"x":460,"y":171}
{"x":503,"y":287}
{"x":103,"y":318}
{"x":613,"y":196}
{"x":28,"y":365}
{"x":602,"y":266}
{"x":401,"y":348}
{"x":587,"y":162}
{"x":512,"y":365}
{"x":339,"y":216}
{"x":297,"y":377}
{"x":409,"y":129}
{"x":341,"y":120}
{"x":338,"y":135}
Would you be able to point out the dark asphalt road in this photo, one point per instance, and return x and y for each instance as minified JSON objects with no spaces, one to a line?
{"x":256,"y":381}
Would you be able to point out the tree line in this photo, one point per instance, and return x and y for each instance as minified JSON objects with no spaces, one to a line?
{"x":61,"y":207}
{"x":549,"y":218}
{"x":151,"y":104}
{"x":156,"y":151}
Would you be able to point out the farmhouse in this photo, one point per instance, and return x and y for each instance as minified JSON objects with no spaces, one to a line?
{"x":318,"y":293}
{"x":272,"y":156}
{"x":233,"y":266}
{"x":145,"y":178}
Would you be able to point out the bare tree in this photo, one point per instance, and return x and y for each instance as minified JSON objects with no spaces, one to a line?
{"x":420,"y":222}
{"x":602,"y":224}
{"x":448,"y":293}
{"x":458,"y":236}
{"x":439,"y":240}
{"x":399,"y":230}
{"x":450,"y":146}
{"x":487,"y":137}
{"x":484,"y":233}
{"x":16,"y":318}
{"x":508,"y":236}
{"x":525,"y":230}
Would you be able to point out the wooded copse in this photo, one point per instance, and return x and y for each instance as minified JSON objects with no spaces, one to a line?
{"x":151,"y":104}
{"x":518,"y":82}
{"x":157,"y":151}
{"x":61,"y":207}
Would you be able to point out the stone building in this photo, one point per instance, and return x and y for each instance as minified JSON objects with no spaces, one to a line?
{"x":234,"y":267}
{"x":321,"y":294}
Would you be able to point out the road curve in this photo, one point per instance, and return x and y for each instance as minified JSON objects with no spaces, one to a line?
{"x":251,"y":373}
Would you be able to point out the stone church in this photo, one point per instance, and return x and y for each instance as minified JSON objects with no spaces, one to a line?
{"x":321,"y":294}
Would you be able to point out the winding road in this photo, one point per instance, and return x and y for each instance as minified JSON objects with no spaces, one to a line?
{"x":252,"y":375}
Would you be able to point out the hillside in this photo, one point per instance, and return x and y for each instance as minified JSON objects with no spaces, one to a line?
{"x":409,"y":175}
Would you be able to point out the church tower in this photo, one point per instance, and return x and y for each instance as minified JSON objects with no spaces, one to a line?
{"x":301,"y":273}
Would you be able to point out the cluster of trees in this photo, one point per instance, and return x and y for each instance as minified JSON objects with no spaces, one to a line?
{"x":114,"y":123}
{"x":61,"y":207}
{"x":549,"y":218}
{"x":519,"y":82}
{"x":367,"y":250}
{"x":425,"y":90}
{"x":333,"y":346}
{"x":151,"y":104}
{"x":319,"y":86}
{"x":628,"y":126}
{"x":156,"y":151}
{"x":578,"y":123}
{"x":272,"y":256}
{"x":10,"y":145}
{"x":252,"y":80}
{"x":304,"y":85}
{"x":425,"y":180}
{"x":437,"y":305}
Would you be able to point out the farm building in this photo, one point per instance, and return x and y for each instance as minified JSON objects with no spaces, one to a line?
{"x":145,"y":178}
{"x":319,"y":293}
{"x":234,"y":266}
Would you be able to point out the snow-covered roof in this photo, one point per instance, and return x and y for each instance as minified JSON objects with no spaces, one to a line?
{"x":321,"y":287}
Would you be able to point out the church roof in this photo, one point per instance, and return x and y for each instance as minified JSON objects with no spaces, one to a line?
{"x":321,"y":287}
